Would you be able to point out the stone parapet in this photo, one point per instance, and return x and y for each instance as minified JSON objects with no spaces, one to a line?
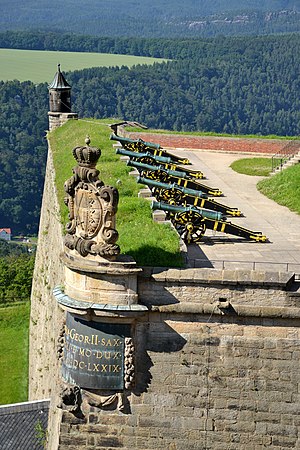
{"x":113,"y":282}
{"x":57,"y":119}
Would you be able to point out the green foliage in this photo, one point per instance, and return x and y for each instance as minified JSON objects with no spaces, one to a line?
{"x":148,"y":242}
{"x":234,"y":86}
{"x":15,"y":278}
{"x":253,"y":166}
{"x":10,"y":248}
{"x":41,"y":434}
{"x":153,"y":18}
{"x":23,"y":113}
{"x":14,"y":324}
{"x":284,"y":188}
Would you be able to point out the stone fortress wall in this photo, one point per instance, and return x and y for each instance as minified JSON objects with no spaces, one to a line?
{"x":216,"y":358}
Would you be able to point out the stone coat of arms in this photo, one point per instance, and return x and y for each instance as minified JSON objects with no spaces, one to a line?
{"x":92,"y":208}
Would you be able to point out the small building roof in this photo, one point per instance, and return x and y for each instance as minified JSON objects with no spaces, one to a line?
{"x":59,"y":81}
{"x":7,"y":230}
{"x":20,"y":424}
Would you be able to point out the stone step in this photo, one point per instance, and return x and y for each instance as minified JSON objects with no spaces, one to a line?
{"x":145,"y":193}
{"x":135,"y":173}
{"x":158,"y":216}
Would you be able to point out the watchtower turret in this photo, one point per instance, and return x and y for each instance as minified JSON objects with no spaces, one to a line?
{"x":60,"y":101}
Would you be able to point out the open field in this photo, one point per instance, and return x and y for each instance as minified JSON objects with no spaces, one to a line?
{"x":14,"y":323}
{"x":40,"y":66}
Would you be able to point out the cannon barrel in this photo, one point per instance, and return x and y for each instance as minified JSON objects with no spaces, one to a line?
{"x":207,"y":213}
{"x":160,"y":185}
{"x":124,"y":141}
{"x":140,"y":146}
{"x":181,"y":178}
{"x":162,"y":159}
{"x":142,"y":166}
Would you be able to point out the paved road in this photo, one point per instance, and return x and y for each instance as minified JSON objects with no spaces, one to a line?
{"x":281,"y":226}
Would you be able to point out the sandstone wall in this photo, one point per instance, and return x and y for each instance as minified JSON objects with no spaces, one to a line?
{"x":46,"y":317}
{"x":217,"y":367}
{"x":217,"y":358}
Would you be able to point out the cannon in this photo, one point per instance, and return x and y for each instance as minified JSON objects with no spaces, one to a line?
{"x":140,"y":146}
{"x":191,"y":223}
{"x":145,"y":158}
{"x":148,"y":158}
{"x":160,"y":173}
{"x":178,"y":195}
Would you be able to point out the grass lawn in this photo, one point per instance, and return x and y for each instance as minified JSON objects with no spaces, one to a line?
{"x":148,"y":242}
{"x":253,"y":166}
{"x":40,"y":66}
{"x":14,"y":324}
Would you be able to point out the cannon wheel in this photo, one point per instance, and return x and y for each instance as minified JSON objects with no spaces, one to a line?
{"x":190,"y":225}
{"x":172,"y":196}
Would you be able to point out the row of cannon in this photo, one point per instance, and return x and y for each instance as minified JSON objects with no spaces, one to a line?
{"x":187,"y":202}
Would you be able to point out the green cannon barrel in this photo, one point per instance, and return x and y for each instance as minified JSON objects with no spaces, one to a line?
{"x":125,"y":141}
{"x":160,"y":159}
{"x":206,"y":213}
{"x":140,"y":146}
{"x":180,"y":178}
{"x":160,"y":185}
{"x":146,"y":167}
{"x":186,"y":222}
{"x":186,"y":196}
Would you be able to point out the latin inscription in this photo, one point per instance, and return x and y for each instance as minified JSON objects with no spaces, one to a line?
{"x":94,"y":354}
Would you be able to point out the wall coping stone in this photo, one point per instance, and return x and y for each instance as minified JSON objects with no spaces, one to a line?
{"x":224,"y":277}
{"x":68,"y":302}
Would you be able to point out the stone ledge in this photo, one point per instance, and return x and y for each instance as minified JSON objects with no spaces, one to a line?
{"x":223,"y":277}
{"x":121,"y":266}
{"x":68,"y":302}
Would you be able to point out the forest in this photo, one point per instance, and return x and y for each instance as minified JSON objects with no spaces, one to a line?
{"x":16,"y":268}
{"x":153,"y":18}
{"x":235,"y":85}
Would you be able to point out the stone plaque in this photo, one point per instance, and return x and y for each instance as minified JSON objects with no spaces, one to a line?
{"x":94,"y":354}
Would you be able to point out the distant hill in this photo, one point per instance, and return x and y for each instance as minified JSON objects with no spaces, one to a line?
{"x":153,"y":18}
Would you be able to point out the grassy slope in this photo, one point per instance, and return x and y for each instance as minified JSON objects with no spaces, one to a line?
{"x":284,"y":188}
{"x":148,"y":242}
{"x":37,"y":66}
{"x":14,"y":322}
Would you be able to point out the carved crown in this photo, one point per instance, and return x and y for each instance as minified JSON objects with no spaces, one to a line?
{"x":87,"y":156}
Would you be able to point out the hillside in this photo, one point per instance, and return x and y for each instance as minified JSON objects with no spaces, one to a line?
{"x":155,"y":18}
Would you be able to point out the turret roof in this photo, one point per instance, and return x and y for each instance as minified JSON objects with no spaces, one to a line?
{"x":59,"y":81}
